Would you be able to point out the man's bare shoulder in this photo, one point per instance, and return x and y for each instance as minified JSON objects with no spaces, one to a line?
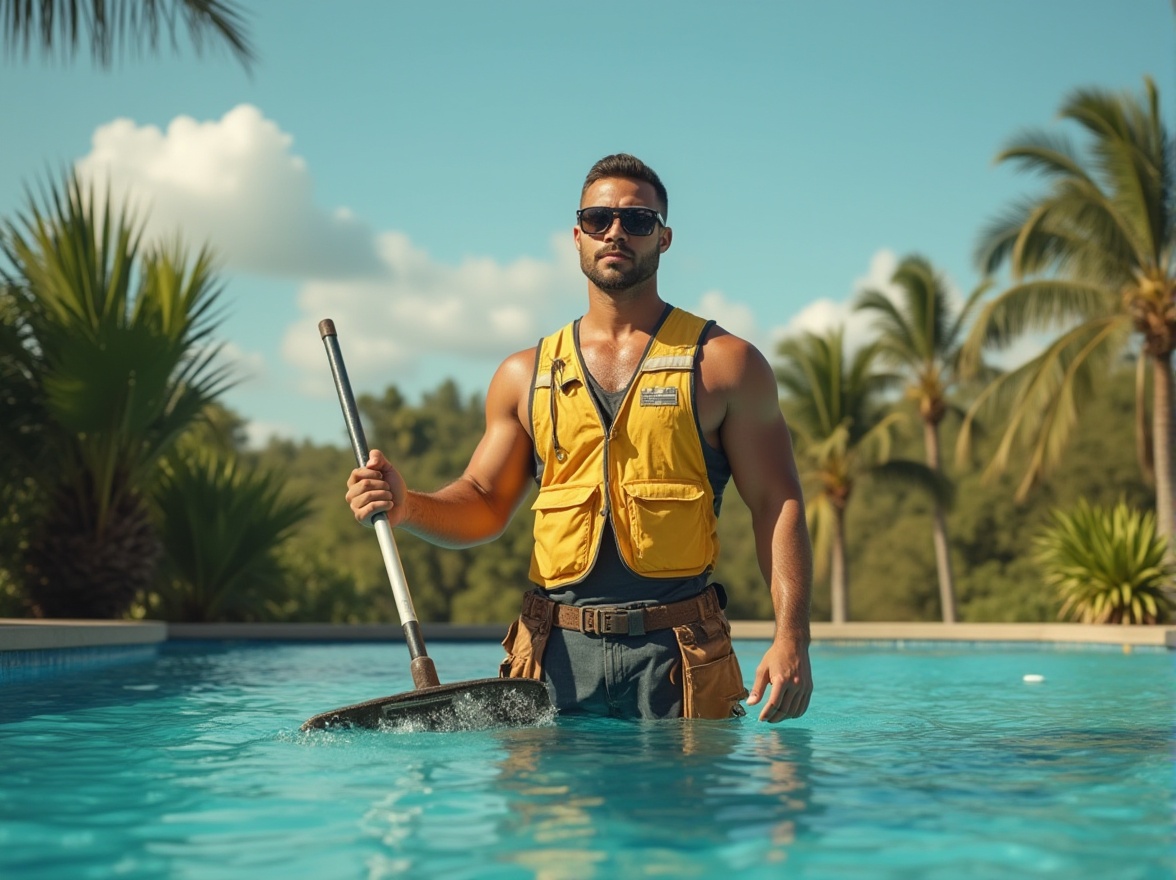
{"x":728,"y":360}
{"x":511,"y":384}
{"x":521,"y":364}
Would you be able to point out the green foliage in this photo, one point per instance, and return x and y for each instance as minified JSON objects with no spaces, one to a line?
{"x":17,"y":508}
{"x":837,"y":416}
{"x":1093,"y":263}
{"x":1107,"y":564}
{"x":316,"y":588}
{"x":836,"y":408}
{"x":104,"y":348}
{"x":431,"y":442}
{"x":335,"y":571}
{"x":891,"y":554}
{"x":220,"y":523}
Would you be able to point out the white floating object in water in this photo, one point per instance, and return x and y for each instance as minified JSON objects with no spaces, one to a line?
{"x":1032,"y":678}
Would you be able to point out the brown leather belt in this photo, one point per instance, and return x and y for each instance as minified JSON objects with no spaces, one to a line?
{"x":610,"y":620}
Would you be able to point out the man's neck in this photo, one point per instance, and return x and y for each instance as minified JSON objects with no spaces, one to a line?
{"x":620,"y":314}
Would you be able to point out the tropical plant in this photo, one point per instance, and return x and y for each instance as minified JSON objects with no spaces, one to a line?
{"x":1094,"y":257}
{"x":921,"y":337}
{"x":221,"y":523}
{"x":1107,"y":564}
{"x":107,"y":361}
{"x":837,"y":414}
{"x":58,"y":25}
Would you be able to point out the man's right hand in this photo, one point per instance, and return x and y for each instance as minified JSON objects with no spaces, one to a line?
{"x":375,"y":488}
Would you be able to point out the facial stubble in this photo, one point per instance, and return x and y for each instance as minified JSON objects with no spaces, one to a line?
{"x":616,"y":279}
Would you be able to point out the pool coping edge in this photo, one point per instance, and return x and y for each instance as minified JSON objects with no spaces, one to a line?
{"x":24,"y":635}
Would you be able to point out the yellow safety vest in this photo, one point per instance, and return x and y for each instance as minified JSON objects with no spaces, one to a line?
{"x":648,"y":475}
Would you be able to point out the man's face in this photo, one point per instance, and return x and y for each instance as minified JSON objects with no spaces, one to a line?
{"x":614,"y":260}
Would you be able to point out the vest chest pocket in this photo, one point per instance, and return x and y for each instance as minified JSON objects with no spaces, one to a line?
{"x":668,"y":526}
{"x":565,"y":526}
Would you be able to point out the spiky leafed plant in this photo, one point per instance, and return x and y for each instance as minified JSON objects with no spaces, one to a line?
{"x":921,"y":335}
{"x":1107,"y":564}
{"x":1093,"y":258}
{"x":57,"y":26}
{"x":221,"y":525}
{"x":836,"y":412}
{"x":110,"y":362}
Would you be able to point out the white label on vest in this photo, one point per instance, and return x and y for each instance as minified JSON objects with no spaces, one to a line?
{"x":659,"y":396}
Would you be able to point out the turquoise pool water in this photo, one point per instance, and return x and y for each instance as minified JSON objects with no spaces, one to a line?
{"x":918,"y":763}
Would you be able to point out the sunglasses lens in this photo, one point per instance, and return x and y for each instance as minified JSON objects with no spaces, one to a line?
{"x":638,"y":221}
{"x":595,"y":220}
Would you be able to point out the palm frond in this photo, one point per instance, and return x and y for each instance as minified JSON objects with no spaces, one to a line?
{"x":58,"y":26}
{"x":221,"y":523}
{"x":1128,"y":142}
{"x":1042,"y":398}
{"x":117,"y":333}
{"x":1037,"y":306}
{"x":896,"y":340}
{"x":1079,"y":230}
{"x":966,"y":363}
{"x":998,"y":236}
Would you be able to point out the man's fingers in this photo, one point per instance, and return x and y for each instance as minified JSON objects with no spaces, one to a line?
{"x":804,"y":704}
{"x":792,"y":698}
{"x":757,"y":687}
{"x":772,"y":706}
{"x":786,"y":700}
{"x":361,"y":476}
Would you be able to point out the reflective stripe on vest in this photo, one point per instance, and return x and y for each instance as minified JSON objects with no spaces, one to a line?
{"x":649,"y":475}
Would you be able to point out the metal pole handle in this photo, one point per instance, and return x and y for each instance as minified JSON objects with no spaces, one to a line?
{"x":424,"y":674}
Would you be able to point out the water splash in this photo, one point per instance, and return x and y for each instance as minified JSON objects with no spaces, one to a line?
{"x":472,"y":710}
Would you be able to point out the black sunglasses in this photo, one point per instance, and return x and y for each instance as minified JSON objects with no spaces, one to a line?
{"x":635,"y":221}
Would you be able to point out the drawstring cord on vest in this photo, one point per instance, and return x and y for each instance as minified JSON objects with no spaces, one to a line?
{"x":557,"y":366}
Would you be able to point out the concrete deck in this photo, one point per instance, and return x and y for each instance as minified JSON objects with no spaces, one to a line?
{"x":24,"y":635}
{"x":32,"y":635}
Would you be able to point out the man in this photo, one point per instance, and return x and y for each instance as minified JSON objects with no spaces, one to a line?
{"x":631,"y":420}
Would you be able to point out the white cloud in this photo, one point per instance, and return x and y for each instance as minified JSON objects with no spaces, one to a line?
{"x":244,"y":366}
{"x":258,"y":433}
{"x":235,"y":184}
{"x":739,"y":319}
{"x":476,"y":312}
{"x":822,"y":315}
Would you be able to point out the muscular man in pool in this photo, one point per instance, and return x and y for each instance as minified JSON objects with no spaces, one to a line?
{"x":631,"y":419}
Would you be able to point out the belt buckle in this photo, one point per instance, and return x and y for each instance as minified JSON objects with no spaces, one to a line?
{"x":612,"y":621}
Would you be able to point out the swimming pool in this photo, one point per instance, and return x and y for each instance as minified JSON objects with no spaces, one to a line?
{"x":927,"y":763}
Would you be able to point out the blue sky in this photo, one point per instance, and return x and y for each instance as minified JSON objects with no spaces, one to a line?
{"x":411,"y":170}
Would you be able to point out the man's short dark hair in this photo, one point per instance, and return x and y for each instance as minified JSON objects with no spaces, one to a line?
{"x":630,"y":168}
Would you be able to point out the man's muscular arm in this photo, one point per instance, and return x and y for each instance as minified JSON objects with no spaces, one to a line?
{"x":759,"y":448}
{"x":477,"y":506}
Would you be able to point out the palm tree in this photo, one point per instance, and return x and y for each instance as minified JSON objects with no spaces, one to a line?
{"x":57,"y":26}
{"x":221,"y":527}
{"x":920,"y":336}
{"x":836,"y":412}
{"x":1094,"y":256}
{"x":107,"y":356}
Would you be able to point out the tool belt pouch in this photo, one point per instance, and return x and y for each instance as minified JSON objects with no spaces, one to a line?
{"x":525,"y":642}
{"x":712,"y":683}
